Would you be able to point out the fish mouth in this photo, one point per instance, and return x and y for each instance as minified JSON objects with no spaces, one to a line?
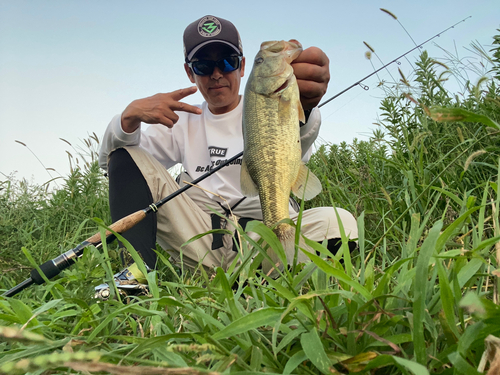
{"x":284,"y":86}
{"x":281,"y":88}
{"x":292,"y":48}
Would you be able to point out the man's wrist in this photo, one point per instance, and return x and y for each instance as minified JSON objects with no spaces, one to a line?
{"x":129,"y":128}
{"x":129,"y":124}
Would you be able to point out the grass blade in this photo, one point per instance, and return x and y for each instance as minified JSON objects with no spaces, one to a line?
{"x":315,"y":352}
{"x":419,"y":305}
{"x":257,"y":318}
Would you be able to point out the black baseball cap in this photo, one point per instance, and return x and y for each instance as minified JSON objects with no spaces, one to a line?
{"x":210,"y":29}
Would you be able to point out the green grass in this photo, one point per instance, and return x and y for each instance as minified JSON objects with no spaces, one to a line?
{"x":419,"y":296}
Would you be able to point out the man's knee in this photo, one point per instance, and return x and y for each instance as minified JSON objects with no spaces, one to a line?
{"x":326,"y":222}
{"x":128,"y":193}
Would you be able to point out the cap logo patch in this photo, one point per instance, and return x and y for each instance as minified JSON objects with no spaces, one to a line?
{"x":209,"y":26}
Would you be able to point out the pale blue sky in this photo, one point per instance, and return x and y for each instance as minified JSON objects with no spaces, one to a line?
{"x":66,"y":67}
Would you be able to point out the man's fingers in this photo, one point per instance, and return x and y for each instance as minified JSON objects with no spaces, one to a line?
{"x":167,"y":122}
{"x":168,"y":118}
{"x":311,"y":93}
{"x":180,"y":106}
{"x":312,"y":64}
{"x":309,"y":103}
{"x":182,"y":93}
{"x":312,"y":55}
{"x":311,"y":89}
{"x":184,"y":107}
{"x":311,"y":72}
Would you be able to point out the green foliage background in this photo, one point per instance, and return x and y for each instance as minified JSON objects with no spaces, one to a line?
{"x":419,"y":296}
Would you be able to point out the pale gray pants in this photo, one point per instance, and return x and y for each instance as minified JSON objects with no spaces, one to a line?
{"x":181,"y":219}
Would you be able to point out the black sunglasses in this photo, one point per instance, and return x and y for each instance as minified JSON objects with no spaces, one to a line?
{"x":206,"y":67}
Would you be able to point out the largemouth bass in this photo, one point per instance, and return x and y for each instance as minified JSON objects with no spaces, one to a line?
{"x":272,"y":165}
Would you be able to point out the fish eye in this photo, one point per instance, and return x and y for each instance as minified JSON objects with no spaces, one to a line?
{"x":259,"y":60}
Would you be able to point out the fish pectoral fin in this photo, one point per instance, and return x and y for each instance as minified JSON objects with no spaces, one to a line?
{"x":302,"y":115}
{"x":309,"y":190}
{"x":248,"y":187}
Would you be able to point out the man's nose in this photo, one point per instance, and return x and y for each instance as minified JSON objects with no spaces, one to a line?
{"x":217,"y":73}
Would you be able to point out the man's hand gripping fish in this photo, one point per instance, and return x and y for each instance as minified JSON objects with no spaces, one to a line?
{"x":272,"y":164}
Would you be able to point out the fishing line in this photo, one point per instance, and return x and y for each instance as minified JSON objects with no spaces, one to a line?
{"x":393,"y":61}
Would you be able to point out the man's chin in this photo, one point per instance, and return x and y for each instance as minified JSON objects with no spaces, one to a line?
{"x":218,"y":100}
{"x":220,"y":107}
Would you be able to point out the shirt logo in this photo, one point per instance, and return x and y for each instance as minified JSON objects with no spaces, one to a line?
{"x":209,"y":26}
{"x":217,"y":151}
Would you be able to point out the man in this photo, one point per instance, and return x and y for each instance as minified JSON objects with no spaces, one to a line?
{"x":201,"y":137}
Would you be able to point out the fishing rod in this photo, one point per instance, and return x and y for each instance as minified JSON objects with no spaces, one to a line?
{"x":55,"y":266}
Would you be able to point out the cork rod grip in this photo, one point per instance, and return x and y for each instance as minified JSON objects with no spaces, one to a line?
{"x":120,"y":226}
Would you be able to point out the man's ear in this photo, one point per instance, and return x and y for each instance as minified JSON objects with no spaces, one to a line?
{"x":189,"y":72}
{"x":242,"y":69}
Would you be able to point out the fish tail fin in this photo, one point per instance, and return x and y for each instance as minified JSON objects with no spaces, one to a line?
{"x":286,"y":235}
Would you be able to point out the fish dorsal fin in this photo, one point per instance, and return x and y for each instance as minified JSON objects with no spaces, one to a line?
{"x":313,"y":187}
{"x":248,"y":187}
{"x":302,"y":115}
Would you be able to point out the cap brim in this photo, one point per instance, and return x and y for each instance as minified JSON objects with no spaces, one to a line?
{"x":199,"y":46}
